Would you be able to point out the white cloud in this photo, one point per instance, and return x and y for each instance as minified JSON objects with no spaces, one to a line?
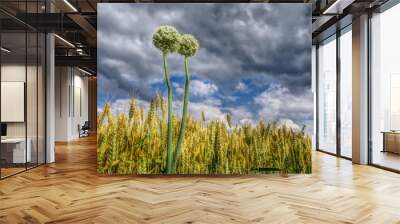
{"x":200,"y":88}
{"x":175,"y":85}
{"x":210,"y":106}
{"x":247,"y":43}
{"x":178,"y":88}
{"x":230,"y":98}
{"x":289,"y":123}
{"x":122,"y":106}
{"x":246,"y":121}
{"x":278,"y":103}
{"x":211,"y":112}
{"x":241,"y":86}
{"x":241,"y":115}
{"x":180,"y":91}
{"x":212,"y":101}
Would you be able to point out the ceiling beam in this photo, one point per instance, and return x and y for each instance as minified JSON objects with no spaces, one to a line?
{"x":80,"y":61}
{"x":337,"y":6}
{"x":86,"y":27}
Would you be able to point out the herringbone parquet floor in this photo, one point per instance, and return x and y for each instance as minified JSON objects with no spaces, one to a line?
{"x":70,"y":191}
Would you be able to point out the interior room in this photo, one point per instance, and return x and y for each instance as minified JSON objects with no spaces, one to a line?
{"x":77,"y":117}
{"x":24,"y":66}
{"x":71,"y":102}
{"x":22,"y":103}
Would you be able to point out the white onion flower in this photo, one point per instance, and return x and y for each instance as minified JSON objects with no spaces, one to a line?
{"x":166,"y":38}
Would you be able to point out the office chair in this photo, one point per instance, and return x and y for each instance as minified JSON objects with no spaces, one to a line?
{"x":84,"y":130}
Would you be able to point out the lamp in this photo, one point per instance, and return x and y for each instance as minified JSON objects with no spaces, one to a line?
{"x":5,"y":50}
{"x":70,"y":5}
{"x":64,"y":40}
{"x":84,"y":71}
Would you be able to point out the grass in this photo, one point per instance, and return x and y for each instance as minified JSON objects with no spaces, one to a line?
{"x":135,"y":143}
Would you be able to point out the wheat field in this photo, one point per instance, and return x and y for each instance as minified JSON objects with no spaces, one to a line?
{"x":135,"y":143}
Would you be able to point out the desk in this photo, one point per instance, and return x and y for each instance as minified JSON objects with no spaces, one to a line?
{"x":391,"y":141}
{"x":13,"y":150}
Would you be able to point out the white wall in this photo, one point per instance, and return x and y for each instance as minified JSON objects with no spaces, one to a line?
{"x":17,"y":73}
{"x":12,"y":73}
{"x":71,"y":94}
{"x":13,"y":100}
{"x":62,"y":81}
{"x":33,"y":126}
{"x":80,"y":109}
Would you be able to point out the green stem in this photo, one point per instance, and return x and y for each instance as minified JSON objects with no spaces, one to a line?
{"x":178,"y":148}
{"x":169,"y":128}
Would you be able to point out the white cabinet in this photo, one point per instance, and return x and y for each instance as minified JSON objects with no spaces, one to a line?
{"x":19,"y":155}
{"x":12,"y":101}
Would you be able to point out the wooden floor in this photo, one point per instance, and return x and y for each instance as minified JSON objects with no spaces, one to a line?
{"x":387,"y":159}
{"x":70,"y":191}
{"x":5,"y":172}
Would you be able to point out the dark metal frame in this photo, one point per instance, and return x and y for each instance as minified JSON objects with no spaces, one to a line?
{"x":369,"y":104}
{"x":338,"y":98}
{"x":338,"y":153}
{"x":316,"y":98}
{"x":0,"y":87}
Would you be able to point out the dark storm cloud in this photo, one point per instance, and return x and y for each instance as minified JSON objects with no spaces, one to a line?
{"x":238,"y":41}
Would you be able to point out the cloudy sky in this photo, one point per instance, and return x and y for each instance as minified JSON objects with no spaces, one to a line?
{"x":254,"y":61}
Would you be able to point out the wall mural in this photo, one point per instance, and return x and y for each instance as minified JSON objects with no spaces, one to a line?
{"x":204,"y":88}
